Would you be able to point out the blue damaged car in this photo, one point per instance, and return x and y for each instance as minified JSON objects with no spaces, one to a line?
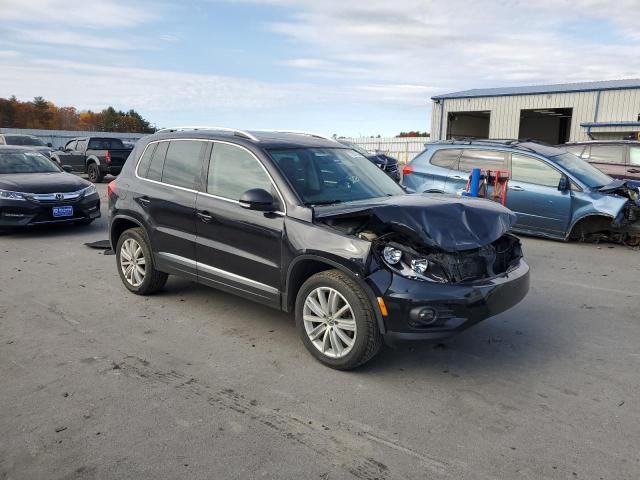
{"x":554,"y":193}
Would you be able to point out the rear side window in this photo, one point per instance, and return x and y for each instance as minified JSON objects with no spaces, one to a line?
{"x":634,"y":155}
{"x":446,"y":158}
{"x":532,"y":170}
{"x":182,"y":164}
{"x":157,"y":162}
{"x":233,"y":171}
{"x":607,"y":153}
{"x":484,"y":159}
{"x":145,"y":161}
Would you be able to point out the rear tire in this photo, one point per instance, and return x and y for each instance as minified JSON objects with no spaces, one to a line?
{"x":336,"y":320}
{"x":94,"y":173}
{"x":135,"y":265}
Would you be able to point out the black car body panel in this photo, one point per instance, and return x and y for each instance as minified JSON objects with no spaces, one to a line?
{"x":266,"y":256}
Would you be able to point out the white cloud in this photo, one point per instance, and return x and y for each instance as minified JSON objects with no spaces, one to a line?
{"x":80,"y":14}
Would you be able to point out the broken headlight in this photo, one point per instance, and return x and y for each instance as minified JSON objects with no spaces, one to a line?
{"x":412,"y":264}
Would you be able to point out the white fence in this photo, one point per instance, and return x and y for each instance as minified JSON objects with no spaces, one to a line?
{"x":404,"y":148}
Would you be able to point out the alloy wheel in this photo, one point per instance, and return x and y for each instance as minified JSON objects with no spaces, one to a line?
{"x":132,"y":262}
{"x":329,"y":322}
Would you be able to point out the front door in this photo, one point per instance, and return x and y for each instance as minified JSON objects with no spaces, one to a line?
{"x":238,"y":250}
{"x":534,"y":196}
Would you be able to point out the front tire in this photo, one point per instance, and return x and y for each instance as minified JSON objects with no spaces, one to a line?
{"x":135,"y":263}
{"x":336,"y":320}
{"x":94,"y":173}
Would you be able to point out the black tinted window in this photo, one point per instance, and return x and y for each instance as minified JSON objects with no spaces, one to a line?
{"x":105,"y":143}
{"x":145,"y":161}
{"x":157,"y":161}
{"x":531,"y":170}
{"x":607,"y":153}
{"x":447,"y":158}
{"x":182,"y":164}
{"x":484,"y":159}
{"x":233,"y":171}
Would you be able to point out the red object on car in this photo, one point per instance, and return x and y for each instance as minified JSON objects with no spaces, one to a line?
{"x":408,"y":169}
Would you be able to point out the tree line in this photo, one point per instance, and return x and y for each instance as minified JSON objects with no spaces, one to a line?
{"x":42,"y":114}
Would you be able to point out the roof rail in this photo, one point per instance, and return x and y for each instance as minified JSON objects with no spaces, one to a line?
{"x":235,"y":131}
{"x":298,"y":132}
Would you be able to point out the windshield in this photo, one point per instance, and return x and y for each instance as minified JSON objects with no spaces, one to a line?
{"x":333,"y":175}
{"x":24,"y":140}
{"x":583,"y":171}
{"x":25,"y":162}
{"x":105,"y":143}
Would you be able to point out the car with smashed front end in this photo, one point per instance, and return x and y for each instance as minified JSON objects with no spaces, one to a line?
{"x":554,"y":193}
{"x":306,"y":225}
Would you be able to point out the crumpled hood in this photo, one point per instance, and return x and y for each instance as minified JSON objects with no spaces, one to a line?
{"x":625,"y":188}
{"x":449,"y":223}
{"x":54,"y":182}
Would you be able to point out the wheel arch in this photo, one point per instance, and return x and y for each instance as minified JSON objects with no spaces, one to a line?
{"x":119,"y":225}
{"x":304,"y":266}
{"x":589,"y":223}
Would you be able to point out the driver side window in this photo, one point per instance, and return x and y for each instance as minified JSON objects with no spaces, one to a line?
{"x":71,"y":145}
{"x":532,"y":170}
{"x":233,"y":171}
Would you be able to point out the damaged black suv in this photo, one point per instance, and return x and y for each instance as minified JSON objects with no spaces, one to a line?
{"x":304,"y":224}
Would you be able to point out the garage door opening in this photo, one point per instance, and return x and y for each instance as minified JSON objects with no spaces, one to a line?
{"x":551,"y":125}
{"x":468,"y":125}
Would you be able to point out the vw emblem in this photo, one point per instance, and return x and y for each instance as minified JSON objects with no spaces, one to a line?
{"x":59,"y":196}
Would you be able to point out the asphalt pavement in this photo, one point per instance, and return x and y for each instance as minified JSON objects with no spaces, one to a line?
{"x":97,"y":383}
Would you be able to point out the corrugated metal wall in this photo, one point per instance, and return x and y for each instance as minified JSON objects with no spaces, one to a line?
{"x":615,"y":105}
{"x":58,"y":138}
{"x":404,"y":149}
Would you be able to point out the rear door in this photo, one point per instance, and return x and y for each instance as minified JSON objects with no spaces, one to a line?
{"x":238,"y":249}
{"x":534,"y":196}
{"x":171,"y":173}
{"x":611,"y":159}
{"x":443,"y":164}
{"x":633,"y":165}
{"x":475,"y":158}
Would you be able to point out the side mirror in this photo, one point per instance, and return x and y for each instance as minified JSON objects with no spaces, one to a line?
{"x":257,"y":199}
{"x":564,"y":183}
{"x":50,"y":145}
{"x":67,"y":168}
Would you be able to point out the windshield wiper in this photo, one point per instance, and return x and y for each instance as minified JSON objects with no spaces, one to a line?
{"x":323,"y":202}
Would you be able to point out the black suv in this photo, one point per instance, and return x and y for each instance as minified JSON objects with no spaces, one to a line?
{"x":303,"y":224}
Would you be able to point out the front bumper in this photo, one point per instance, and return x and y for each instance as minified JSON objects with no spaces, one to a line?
{"x":430,"y":311}
{"x":22,"y":213}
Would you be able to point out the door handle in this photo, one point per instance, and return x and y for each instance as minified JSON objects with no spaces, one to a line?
{"x":457,"y":177}
{"x":633,"y":170}
{"x":204,"y":216}
{"x":145,"y":201}
{"x":516,"y":188}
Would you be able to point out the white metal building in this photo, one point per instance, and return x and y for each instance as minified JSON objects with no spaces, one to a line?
{"x":551,"y":113}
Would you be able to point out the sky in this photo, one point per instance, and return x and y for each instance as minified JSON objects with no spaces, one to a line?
{"x":352,"y":68}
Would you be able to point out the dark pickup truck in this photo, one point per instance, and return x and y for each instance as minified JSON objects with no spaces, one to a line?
{"x":95,"y":156}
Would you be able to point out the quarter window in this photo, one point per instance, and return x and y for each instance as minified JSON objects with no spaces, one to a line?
{"x":484,"y":159}
{"x":145,"y":161}
{"x":531,"y":170}
{"x":446,"y":158}
{"x":157,"y":162}
{"x":182,"y":164}
{"x":233,"y":171}
{"x":607,"y":154}
{"x":634,"y":155}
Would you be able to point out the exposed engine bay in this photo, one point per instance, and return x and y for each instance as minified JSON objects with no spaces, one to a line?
{"x":442,"y":240}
